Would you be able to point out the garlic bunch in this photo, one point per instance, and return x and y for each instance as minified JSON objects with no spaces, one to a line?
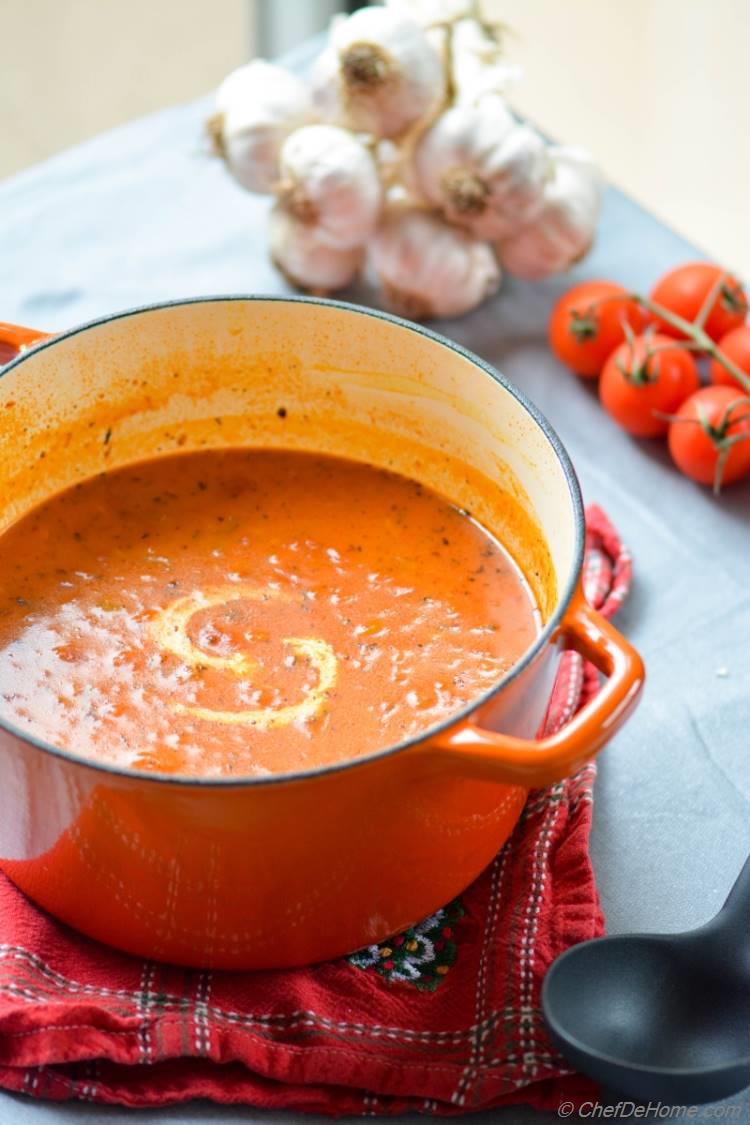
{"x":427,"y":268}
{"x":399,"y":152}
{"x":257,"y":107}
{"x":328,"y":181}
{"x":562,"y":230}
{"x":380,"y":74}
{"x":307,"y":262}
{"x":483,"y":171}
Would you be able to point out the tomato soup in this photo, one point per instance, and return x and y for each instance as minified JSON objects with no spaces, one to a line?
{"x":248,"y":612}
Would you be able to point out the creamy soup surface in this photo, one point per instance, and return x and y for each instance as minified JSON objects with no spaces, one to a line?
{"x":248,"y":612}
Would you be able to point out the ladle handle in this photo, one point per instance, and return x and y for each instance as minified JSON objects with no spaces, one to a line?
{"x":728,"y":932}
{"x":736,"y":910}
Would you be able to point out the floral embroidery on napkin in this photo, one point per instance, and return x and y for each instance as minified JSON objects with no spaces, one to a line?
{"x":422,"y":955}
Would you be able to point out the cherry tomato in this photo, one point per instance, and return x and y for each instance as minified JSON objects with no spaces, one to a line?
{"x":652,"y":374}
{"x":736,"y":345}
{"x":587,"y":325}
{"x":684,"y":289}
{"x":703,"y":431}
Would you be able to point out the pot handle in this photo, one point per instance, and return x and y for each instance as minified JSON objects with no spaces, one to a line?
{"x":15,"y":339}
{"x":535,"y":762}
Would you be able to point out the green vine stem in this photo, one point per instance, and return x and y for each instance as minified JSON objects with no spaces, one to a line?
{"x":710,"y":300}
{"x":698,"y":338}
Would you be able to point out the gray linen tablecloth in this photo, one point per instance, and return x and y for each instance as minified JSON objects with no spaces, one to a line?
{"x":143,"y":214}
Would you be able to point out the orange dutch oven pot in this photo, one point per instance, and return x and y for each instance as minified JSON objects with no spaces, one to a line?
{"x":288,"y":870}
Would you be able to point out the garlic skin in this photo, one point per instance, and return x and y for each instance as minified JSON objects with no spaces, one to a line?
{"x":380,"y":74}
{"x":562,"y":231}
{"x":304,"y":260}
{"x":257,"y":106}
{"x":483,"y":171}
{"x":329,"y":181}
{"x":427,"y":268}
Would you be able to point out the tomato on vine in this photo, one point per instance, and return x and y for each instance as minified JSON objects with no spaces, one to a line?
{"x":735,"y":346}
{"x":587,"y":324}
{"x":685,"y":291}
{"x":645,"y":378}
{"x":709,"y":437}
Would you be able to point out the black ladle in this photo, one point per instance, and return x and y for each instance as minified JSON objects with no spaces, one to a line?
{"x":659,"y":1017}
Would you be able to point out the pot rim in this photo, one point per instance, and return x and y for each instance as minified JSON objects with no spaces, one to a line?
{"x":525,"y":660}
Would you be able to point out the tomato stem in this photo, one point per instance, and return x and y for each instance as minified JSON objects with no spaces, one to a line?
{"x":638,"y":375}
{"x":716,"y":432}
{"x":710,"y":300}
{"x":676,"y":418}
{"x":697,"y":336}
{"x":583,"y":325}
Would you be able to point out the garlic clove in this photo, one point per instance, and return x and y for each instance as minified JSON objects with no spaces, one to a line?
{"x":257,"y":106}
{"x":562,"y":230}
{"x":447,"y":157}
{"x":427,"y":268}
{"x":478,"y":67}
{"x":483,"y":171}
{"x":517,"y":173}
{"x":380,"y":75}
{"x":329,"y":181}
{"x":306,"y":262}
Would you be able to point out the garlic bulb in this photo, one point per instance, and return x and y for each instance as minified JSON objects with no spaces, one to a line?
{"x":380,"y":74}
{"x":477,"y":63}
{"x":481,"y":169}
{"x":328,"y":181}
{"x":563,"y":229}
{"x":305,"y":261}
{"x":257,"y":106}
{"x":427,"y":268}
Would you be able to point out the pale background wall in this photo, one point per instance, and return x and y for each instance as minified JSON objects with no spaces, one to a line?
{"x":71,"y":68}
{"x":656,"y":88}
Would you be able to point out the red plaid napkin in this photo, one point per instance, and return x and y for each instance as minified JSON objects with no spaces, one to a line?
{"x":441,"y":1019}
